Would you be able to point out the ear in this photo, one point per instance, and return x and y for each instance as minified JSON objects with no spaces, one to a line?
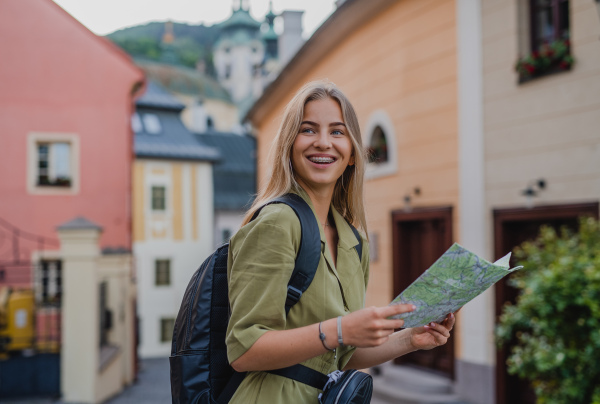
{"x":351,"y":161}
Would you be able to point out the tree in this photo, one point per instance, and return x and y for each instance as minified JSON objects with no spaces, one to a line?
{"x":555,"y":323}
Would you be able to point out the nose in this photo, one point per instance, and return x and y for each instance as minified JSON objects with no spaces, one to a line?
{"x":322,"y":140}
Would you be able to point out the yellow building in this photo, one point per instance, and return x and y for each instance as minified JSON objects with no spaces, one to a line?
{"x":172,"y":213}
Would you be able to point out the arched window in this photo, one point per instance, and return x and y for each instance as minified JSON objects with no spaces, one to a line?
{"x":378,"y":148}
{"x":381,"y":145}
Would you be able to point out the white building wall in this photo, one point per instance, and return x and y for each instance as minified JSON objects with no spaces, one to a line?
{"x":240,"y":60}
{"x":545,"y":128}
{"x":229,"y":221}
{"x":476,"y":324}
{"x":186,"y":255}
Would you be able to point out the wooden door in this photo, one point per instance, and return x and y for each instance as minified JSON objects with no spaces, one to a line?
{"x":419,"y":238}
{"x":511,"y":228}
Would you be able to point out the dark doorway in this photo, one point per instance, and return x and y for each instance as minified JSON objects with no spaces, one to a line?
{"x":511,"y":228}
{"x":419,"y":238}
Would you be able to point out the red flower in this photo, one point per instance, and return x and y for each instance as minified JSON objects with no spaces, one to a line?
{"x":529,"y":68}
{"x":563,"y":65}
{"x":535,"y":54}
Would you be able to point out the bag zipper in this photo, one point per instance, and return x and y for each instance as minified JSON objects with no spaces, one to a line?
{"x":337,"y":399}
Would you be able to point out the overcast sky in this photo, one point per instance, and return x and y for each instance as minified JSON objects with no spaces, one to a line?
{"x":105,"y":16}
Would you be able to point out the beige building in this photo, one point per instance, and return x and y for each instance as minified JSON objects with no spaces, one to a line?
{"x":465,"y":149}
{"x":397,"y":62}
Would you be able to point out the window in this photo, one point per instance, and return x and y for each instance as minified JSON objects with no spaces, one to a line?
{"x":50,"y":282}
{"x":378,"y":152}
{"x":227,"y":71}
{"x":209,"y":123}
{"x":54,"y":164}
{"x":543,"y":38}
{"x":381,"y":145}
{"x":158,"y":198}
{"x":105,"y":314}
{"x":136,"y":123}
{"x":549,"y":22}
{"x":152,"y":124}
{"x":162,"y":270}
{"x":166,"y":329}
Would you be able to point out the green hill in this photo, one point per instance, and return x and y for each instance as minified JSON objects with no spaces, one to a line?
{"x":192,"y":43}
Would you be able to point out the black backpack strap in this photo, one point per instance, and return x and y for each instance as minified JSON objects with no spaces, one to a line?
{"x":230,"y":388}
{"x":304,"y":272}
{"x":358,"y":248}
{"x":309,"y":253}
{"x":303,"y":374}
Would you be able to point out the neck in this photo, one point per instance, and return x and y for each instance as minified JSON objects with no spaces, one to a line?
{"x":321,"y":200}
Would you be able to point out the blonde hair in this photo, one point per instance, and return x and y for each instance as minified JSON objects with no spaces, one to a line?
{"x":348,"y":192}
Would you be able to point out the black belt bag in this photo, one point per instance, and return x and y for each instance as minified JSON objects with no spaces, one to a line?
{"x":349,"y":387}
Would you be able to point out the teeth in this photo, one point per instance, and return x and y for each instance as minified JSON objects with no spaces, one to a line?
{"x":321,"y":159}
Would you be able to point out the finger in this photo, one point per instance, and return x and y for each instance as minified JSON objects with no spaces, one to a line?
{"x":396,"y":308}
{"x":452,"y":320}
{"x":392,"y":324}
{"x":440,"y":329}
{"x":449,"y":321}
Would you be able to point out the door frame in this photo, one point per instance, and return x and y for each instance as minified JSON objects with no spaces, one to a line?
{"x":443,"y":213}
{"x":524,"y":214}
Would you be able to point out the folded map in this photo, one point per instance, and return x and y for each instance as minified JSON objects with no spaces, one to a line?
{"x":455,"y":279}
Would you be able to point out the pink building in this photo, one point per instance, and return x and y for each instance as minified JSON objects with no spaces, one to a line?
{"x":66,"y":98}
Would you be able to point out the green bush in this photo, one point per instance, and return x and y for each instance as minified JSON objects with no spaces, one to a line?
{"x":555,"y":324}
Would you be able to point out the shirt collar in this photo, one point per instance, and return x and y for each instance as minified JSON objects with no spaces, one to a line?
{"x":346,"y":236}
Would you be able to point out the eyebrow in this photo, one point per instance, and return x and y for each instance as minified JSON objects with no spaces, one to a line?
{"x":316,"y":124}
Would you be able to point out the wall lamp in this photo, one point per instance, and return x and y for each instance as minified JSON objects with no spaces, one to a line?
{"x":408,"y":196}
{"x":532,"y":190}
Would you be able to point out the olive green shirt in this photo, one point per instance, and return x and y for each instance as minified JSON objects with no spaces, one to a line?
{"x":260,"y":264}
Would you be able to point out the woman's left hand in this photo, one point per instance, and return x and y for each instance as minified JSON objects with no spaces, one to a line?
{"x":432,"y":335}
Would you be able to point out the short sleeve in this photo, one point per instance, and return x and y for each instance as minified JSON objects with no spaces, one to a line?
{"x":261,"y":261}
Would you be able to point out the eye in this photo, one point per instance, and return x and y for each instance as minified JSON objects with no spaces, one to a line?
{"x":337,"y":132}
{"x":307,"y":130}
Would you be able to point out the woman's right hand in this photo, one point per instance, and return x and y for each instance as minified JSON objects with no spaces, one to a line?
{"x":371,"y":327}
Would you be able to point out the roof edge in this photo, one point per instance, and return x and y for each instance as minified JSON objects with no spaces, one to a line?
{"x":107,"y":43}
{"x":349,"y":16}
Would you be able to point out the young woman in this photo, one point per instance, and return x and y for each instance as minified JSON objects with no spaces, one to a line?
{"x":317,"y":154}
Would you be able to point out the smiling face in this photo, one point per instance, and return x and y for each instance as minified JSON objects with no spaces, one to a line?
{"x":322,"y":149}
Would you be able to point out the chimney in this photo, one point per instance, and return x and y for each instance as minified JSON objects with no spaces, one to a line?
{"x":291,"y":38}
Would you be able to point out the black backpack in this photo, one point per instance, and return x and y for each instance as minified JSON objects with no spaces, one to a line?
{"x":200,"y":371}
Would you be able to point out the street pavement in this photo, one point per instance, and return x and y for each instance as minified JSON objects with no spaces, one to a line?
{"x":153,"y":384}
{"x":151,"y":387}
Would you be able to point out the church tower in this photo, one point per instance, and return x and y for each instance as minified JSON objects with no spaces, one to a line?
{"x":238,"y":56}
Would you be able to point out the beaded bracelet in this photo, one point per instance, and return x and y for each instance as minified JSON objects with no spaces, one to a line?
{"x":322,"y":338}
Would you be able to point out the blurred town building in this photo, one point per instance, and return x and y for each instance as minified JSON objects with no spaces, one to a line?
{"x":463,"y":148}
{"x":208,"y":105}
{"x":65,"y":101}
{"x":247,"y":58}
{"x":234,"y":179}
{"x":172,"y":213}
